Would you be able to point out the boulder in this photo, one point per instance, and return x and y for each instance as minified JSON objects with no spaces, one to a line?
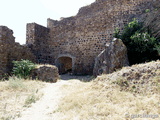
{"x":48,"y":73}
{"x":113,"y":57}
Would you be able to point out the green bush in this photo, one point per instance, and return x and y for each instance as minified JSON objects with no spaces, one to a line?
{"x":143,"y":42}
{"x":22,"y":68}
{"x":129,"y":30}
{"x":140,"y":44}
{"x":147,"y":10}
{"x":116,"y":33}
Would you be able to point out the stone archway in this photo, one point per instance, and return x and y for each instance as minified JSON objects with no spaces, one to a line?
{"x":65,"y":64}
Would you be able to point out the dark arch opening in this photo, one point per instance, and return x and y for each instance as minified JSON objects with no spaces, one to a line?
{"x":64,"y":65}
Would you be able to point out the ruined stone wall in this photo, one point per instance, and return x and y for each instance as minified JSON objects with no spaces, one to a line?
{"x":84,"y":36}
{"x":66,"y":39}
{"x":9,"y":51}
{"x":6,"y":38}
{"x":37,"y":39}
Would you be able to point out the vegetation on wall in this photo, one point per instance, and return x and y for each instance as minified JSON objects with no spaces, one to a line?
{"x":141,"y":45}
{"x":23,"y":68}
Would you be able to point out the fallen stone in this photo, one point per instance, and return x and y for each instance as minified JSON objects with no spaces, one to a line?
{"x":48,"y":73}
{"x":112,"y":58}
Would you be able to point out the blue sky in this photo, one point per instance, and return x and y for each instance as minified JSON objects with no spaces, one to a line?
{"x":15,"y":14}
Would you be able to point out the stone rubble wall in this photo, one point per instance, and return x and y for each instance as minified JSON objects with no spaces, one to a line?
{"x":37,"y":38}
{"x":10,"y":51}
{"x":84,"y":36}
{"x":47,"y":73}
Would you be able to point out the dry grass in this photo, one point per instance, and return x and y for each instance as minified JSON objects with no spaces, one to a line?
{"x":122,"y":95}
{"x":42,"y":65}
{"x":115,"y":97}
{"x":16,"y":94}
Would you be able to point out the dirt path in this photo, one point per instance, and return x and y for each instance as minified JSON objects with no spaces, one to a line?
{"x":42,"y":109}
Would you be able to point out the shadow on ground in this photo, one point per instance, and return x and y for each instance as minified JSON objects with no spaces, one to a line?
{"x":86,"y":78}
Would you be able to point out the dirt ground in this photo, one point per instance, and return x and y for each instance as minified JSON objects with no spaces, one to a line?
{"x":52,"y":94}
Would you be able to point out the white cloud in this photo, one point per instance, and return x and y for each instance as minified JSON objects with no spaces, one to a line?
{"x":65,"y":8}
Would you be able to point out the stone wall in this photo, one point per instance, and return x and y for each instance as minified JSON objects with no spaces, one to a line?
{"x":37,"y":38}
{"x":9,"y":51}
{"x":84,"y":36}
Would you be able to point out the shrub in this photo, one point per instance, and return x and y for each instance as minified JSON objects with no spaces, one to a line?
{"x":143,"y":47}
{"x":140,"y":44}
{"x":129,"y":30}
{"x":116,"y":33}
{"x":157,"y":47}
{"x":22,"y":68}
{"x":147,"y":10}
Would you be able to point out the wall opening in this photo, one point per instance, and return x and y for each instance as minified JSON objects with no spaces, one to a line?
{"x":64,"y":64}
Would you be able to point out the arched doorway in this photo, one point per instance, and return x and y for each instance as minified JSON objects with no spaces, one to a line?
{"x":64,"y":64}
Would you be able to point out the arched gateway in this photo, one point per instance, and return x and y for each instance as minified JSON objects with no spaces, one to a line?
{"x":65,"y":63}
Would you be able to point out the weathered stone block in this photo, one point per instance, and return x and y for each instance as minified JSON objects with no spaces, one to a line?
{"x":113,"y":57}
{"x":48,"y":73}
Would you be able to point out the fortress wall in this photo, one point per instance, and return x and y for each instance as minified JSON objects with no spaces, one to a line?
{"x":85,"y":35}
{"x":6,"y":38}
{"x":10,"y":51}
{"x":37,"y":38}
{"x":66,"y":39}
{"x":3,"y":58}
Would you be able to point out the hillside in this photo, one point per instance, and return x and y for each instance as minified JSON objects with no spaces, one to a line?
{"x":122,"y":95}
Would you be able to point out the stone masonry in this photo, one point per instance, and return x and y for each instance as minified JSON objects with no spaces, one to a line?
{"x":10,"y":50}
{"x":38,"y":39}
{"x":48,"y":73}
{"x":73,"y":43}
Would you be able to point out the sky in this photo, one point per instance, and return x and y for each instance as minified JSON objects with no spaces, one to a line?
{"x":15,"y":14}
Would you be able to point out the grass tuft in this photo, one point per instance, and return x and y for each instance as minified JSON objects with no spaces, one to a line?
{"x":16,"y":83}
